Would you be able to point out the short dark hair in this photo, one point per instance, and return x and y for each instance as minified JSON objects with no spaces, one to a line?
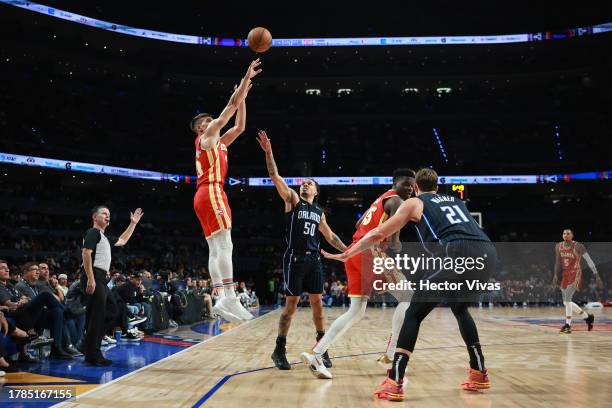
{"x":400,"y":173}
{"x":195,"y":122}
{"x":26,"y":266}
{"x":564,"y":229}
{"x":3,"y":261}
{"x":427,"y":179}
{"x":97,"y":208}
{"x":317,"y":187}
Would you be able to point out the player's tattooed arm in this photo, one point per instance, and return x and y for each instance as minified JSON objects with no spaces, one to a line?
{"x":287,"y":194}
{"x":331,"y":237}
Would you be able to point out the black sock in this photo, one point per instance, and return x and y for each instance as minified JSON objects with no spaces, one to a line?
{"x":281,"y":341}
{"x":476,"y":357}
{"x":320,"y":335}
{"x":400,"y":361}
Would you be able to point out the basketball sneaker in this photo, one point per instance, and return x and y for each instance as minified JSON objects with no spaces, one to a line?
{"x":315,"y":363}
{"x":279,"y":357}
{"x":390,"y":390}
{"x":236,"y":308}
{"x":477,"y":380}
{"x":221,"y":308}
{"x":566,"y":329}
{"x":326,"y":360}
{"x":589,"y":321}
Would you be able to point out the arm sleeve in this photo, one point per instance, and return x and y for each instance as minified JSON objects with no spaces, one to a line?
{"x":590,"y":262}
{"x":92,"y":237}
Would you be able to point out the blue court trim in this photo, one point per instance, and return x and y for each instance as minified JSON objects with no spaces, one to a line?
{"x":219,"y":384}
{"x":223,"y":380}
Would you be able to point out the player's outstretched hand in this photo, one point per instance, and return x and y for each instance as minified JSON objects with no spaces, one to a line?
{"x":264,"y":141}
{"x":337,"y":257}
{"x":136,"y":216}
{"x":252,"y":71}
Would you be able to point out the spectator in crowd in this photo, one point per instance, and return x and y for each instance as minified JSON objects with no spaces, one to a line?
{"x":132,"y":292}
{"x":62,"y":283}
{"x":113,"y":280}
{"x":40,"y":310}
{"x":45,"y":284}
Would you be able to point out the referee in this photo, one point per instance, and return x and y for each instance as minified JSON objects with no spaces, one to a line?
{"x":96,"y":263}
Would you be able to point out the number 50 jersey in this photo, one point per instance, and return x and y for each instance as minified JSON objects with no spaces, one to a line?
{"x":302,"y":227}
{"x":446,"y":219}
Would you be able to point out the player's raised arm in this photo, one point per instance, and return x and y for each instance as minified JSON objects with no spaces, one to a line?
{"x":287,"y":194}
{"x":329,"y":235}
{"x":240,"y":93}
{"x":239,"y":124}
{"x":410,"y":210}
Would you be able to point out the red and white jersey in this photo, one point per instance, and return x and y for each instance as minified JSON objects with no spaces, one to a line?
{"x":375,"y":215}
{"x":570,"y":263}
{"x":211,"y":164}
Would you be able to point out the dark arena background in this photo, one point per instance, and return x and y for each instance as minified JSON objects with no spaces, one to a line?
{"x":510,"y":104}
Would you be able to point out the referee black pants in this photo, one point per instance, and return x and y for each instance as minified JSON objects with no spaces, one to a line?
{"x":96,"y":314}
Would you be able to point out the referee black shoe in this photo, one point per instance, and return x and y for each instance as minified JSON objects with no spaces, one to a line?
{"x":279,"y":356}
{"x":589,"y":321}
{"x":326,"y":360}
{"x":566,"y":329}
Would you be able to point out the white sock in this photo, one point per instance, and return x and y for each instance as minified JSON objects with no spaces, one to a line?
{"x":229,"y":291}
{"x":578,"y":310}
{"x":396,"y":326}
{"x":568,"y":320}
{"x":342,"y":324}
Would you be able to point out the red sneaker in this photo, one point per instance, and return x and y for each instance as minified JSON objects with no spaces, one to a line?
{"x":390,"y":390}
{"x":478,"y":380}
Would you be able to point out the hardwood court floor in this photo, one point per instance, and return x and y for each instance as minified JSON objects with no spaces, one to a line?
{"x":530,"y":365}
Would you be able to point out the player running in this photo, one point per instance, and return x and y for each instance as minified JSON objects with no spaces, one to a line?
{"x":210,"y":202}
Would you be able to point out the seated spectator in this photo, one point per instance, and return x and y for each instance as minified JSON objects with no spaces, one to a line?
{"x":45,"y":285}
{"x":132,"y":292}
{"x":28,"y":308}
{"x":62,"y":283}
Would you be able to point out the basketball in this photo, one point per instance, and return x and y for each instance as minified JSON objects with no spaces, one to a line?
{"x":260,"y":39}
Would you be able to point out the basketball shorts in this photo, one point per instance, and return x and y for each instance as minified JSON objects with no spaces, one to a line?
{"x":212,"y":209}
{"x":359,"y":272}
{"x":302,"y":272}
{"x":458,"y":251}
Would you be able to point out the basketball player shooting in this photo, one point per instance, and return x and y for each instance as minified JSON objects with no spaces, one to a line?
{"x":443,"y":220}
{"x":210,"y":201}
{"x":359,"y":272}
{"x":568,"y":254}
{"x":302,"y":267}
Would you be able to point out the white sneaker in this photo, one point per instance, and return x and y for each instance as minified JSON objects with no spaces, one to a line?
{"x":222,"y":309}
{"x":2,"y":373}
{"x":315,"y":364}
{"x":236,"y":308}
{"x":109,"y":339}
